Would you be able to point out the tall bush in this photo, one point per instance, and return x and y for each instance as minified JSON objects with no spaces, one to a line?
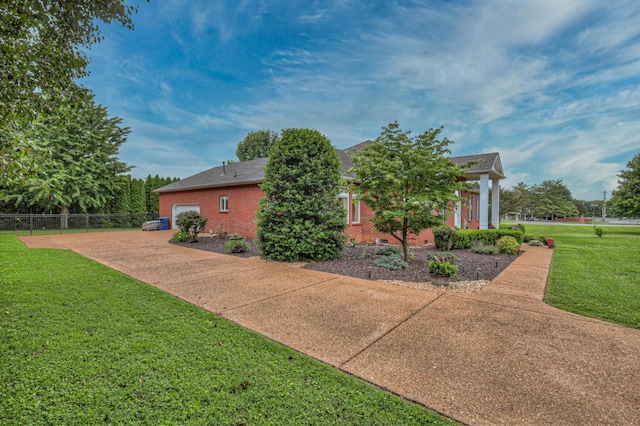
{"x":300,"y":217}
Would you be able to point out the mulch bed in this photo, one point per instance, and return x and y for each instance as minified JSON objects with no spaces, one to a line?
{"x":357,"y":261}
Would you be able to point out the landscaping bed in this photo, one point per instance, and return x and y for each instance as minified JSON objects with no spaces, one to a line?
{"x":357,"y":261}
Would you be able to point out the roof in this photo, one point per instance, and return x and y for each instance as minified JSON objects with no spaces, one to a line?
{"x":481,"y":164}
{"x":252,"y":171}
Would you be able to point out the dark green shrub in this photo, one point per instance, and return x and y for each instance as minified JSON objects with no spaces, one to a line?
{"x":464,"y":238}
{"x":528,"y":237}
{"x":448,"y":257}
{"x":389,"y":251}
{"x":191,"y":223}
{"x":392,"y":261}
{"x":181,"y":237}
{"x":482,"y":248}
{"x":543,"y":239}
{"x":599,"y":231}
{"x":237,"y":246}
{"x":300,"y":217}
{"x":443,"y":237}
{"x":508,"y":245}
{"x":440,"y":266}
{"x":515,"y":226}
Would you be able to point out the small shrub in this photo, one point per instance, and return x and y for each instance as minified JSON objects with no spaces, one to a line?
{"x":237,"y":246}
{"x":448,"y":257}
{"x":543,"y":239}
{"x":390,"y":258}
{"x":508,"y":245}
{"x":363,"y":253}
{"x":528,"y":238}
{"x":191,"y":223}
{"x":439,"y":266}
{"x":443,"y":237}
{"x":536,"y":243}
{"x":220,"y":232}
{"x":482,"y":248}
{"x":181,"y":237}
{"x":599,"y":231}
{"x":235,"y":237}
{"x":389,"y":251}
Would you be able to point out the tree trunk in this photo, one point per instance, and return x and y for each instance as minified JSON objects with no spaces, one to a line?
{"x":64,"y":217}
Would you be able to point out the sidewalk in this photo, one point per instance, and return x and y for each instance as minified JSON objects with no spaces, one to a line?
{"x":497,"y":356}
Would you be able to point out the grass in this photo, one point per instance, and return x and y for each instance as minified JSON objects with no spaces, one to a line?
{"x":595,"y":277}
{"x":83,"y":344}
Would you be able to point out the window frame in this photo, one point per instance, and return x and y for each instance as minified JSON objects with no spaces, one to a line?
{"x":224,"y":203}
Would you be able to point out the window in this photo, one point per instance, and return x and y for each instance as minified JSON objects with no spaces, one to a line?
{"x":355,"y":209}
{"x":224,"y":203}
{"x":344,"y":199}
{"x":470,"y":208}
{"x":477,"y":209}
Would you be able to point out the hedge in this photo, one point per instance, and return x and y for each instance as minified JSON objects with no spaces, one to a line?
{"x":464,"y":238}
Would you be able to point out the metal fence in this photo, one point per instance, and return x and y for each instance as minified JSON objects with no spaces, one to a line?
{"x":33,"y":224}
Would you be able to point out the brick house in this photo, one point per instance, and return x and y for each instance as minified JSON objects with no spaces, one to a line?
{"x":229,"y":194}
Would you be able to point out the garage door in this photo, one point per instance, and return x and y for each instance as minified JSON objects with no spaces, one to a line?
{"x":179,"y":208}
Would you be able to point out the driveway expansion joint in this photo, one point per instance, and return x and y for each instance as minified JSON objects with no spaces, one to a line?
{"x":413,"y":314}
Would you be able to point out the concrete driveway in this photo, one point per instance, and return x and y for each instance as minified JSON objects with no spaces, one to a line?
{"x":496,"y":356}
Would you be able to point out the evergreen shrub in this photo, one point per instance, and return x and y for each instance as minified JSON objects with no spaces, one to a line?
{"x":300,"y":218}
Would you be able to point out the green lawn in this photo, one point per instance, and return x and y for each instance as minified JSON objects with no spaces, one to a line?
{"x":83,"y":344}
{"x":595,"y":277}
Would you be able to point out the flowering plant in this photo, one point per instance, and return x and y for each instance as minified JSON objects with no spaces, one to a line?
{"x":440,"y":266}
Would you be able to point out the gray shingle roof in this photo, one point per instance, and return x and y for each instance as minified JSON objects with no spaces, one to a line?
{"x":252,"y":171}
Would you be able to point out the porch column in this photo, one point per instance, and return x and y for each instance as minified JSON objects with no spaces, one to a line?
{"x":484,"y":201}
{"x":457,"y":218}
{"x":495,"y":203}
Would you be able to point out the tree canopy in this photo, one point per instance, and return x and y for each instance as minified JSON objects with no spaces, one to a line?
{"x":257,"y":144}
{"x":549,"y":199}
{"x":406,"y":179}
{"x":625,"y":200}
{"x":42,"y":55}
{"x":300,"y":217}
{"x":82,"y":174}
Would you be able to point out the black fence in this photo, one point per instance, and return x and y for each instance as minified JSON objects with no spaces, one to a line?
{"x":33,"y":224}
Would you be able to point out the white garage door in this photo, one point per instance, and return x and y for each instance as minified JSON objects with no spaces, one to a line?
{"x":179,"y":208}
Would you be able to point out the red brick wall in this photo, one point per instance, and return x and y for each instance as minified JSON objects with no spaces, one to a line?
{"x":243,"y":203}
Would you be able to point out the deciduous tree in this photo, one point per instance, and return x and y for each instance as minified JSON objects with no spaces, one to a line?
{"x":256,"y":144}
{"x":83,"y":174}
{"x":625,"y":199}
{"x":406,"y":179}
{"x":42,"y":56}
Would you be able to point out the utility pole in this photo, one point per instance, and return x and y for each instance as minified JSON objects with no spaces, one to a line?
{"x":604,"y":205}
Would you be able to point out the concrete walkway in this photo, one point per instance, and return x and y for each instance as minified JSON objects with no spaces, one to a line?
{"x":497,"y":356}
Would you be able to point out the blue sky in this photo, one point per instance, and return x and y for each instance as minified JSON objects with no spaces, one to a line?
{"x":553,"y":86}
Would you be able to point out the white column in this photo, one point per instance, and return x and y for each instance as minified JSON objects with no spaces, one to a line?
{"x":495,"y":203}
{"x":457,"y":218}
{"x":484,"y":201}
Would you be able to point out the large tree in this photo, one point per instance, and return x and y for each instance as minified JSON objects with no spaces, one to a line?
{"x":405,"y":180}
{"x":300,"y":217}
{"x":42,"y":55}
{"x":257,"y":144}
{"x":625,"y":200}
{"x":553,"y":200}
{"x":84,"y":143}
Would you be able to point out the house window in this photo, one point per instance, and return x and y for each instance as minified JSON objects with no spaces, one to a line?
{"x":470,"y":208}
{"x":224,"y":203}
{"x":477,"y":209}
{"x":344,"y":199}
{"x":355,"y":209}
